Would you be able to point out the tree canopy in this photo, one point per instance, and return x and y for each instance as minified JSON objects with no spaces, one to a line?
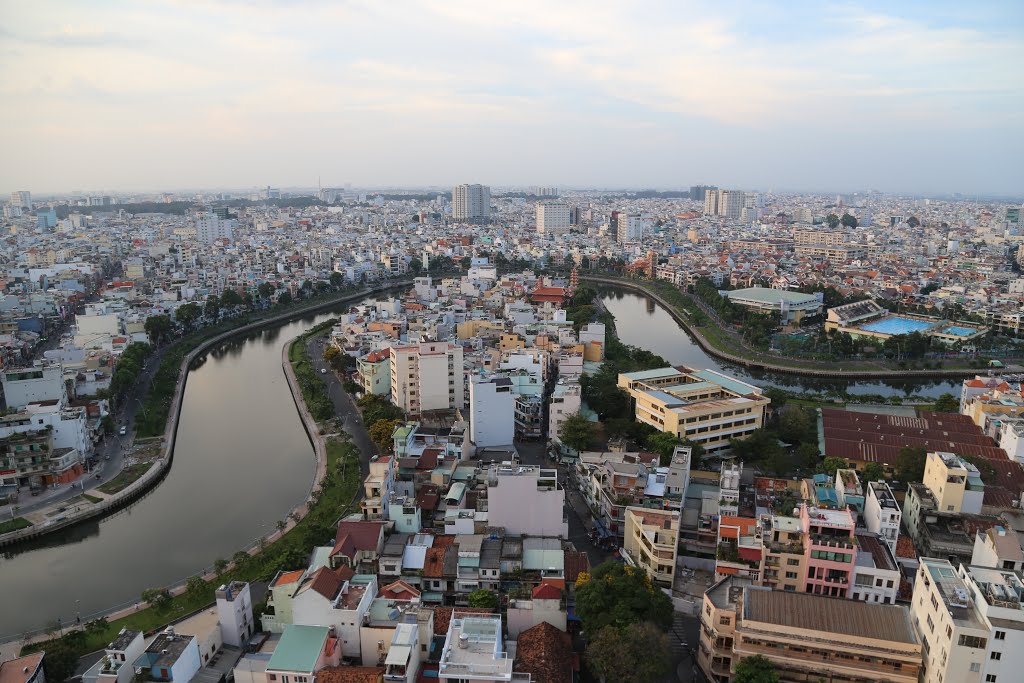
{"x":483,"y":598}
{"x":756,"y":669}
{"x":910,"y":464}
{"x":577,"y":432}
{"x":636,"y":653}
{"x":947,"y":403}
{"x":616,"y":595}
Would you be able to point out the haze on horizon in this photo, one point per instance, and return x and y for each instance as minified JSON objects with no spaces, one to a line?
{"x":922,"y":97}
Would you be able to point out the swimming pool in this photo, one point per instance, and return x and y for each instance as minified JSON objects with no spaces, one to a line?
{"x":897,"y":325}
{"x":958,"y":331}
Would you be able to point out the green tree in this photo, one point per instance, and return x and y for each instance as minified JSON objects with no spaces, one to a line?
{"x":577,"y":432}
{"x":756,"y":669}
{"x":832,"y":220}
{"x":616,"y":595}
{"x":158,"y":327}
{"x":212,"y":307}
{"x":914,"y":221}
{"x":947,"y":403}
{"x":830,"y":464}
{"x":483,"y":599}
{"x":808,"y":454}
{"x":219,"y":565}
{"x":266,"y":289}
{"x":187,"y":314}
{"x":240,"y":557}
{"x":848,"y":221}
{"x":873,"y":472}
{"x":229,"y":298}
{"x":158,"y":598}
{"x":337,"y":279}
{"x":663,"y":443}
{"x":796,"y":425}
{"x":910,"y":464}
{"x":636,"y":653}
{"x":381,"y":433}
{"x":195,"y":585}
{"x":285,"y":298}
{"x":330,"y":352}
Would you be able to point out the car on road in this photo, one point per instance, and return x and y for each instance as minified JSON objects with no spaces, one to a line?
{"x":122,"y":431}
{"x":323,"y":371}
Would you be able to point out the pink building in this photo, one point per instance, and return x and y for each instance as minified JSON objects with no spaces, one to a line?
{"x":830,"y":550}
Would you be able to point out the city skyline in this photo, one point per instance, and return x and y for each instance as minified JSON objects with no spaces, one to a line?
{"x":925,"y":101}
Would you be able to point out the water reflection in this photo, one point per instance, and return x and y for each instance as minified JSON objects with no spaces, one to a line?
{"x":640,"y":321}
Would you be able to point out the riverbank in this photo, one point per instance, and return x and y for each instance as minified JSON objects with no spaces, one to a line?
{"x":58,"y":520}
{"x":702,"y":337}
{"x":335,"y":491}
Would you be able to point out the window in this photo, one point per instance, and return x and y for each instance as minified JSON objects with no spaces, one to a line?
{"x":972,"y":641}
{"x":792,"y":563}
{"x":949,"y":632}
{"x":888,"y":584}
{"x":975,"y":667}
{"x":931,"y":624}
{"x":990,"y":678}
{"x":725,"y":621}
{"x":791,"y":575}
{"x":1000,"y":635}
{"x":996,"y":656}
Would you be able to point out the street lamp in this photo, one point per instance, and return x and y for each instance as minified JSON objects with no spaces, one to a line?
{"x":143,"y":406}
{"x":78,"y":613}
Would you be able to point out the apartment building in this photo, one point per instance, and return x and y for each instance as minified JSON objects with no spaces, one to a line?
{"x":374,"y":372}
{"x":703,"y":406}
{"x":806,"y":637}
{"x":492,"y":412}
{"x":783,"y":566}
{"x":826,"y":238}
{"x":970,"y":621}
{"x":471,"y":203}
{"x":830,"y":552}
{"x":427,"y":376}
{"x":526,"y":501}
{"x":836,"y":255}
{"x":876,"y":575}
{"x":552,"y":218}
{"x":882,"y":513}
{"x":651,"y":542}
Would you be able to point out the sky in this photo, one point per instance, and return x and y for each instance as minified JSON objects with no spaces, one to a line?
{"x":924,"y":97}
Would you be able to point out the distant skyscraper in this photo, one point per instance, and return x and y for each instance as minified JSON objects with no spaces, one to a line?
{"x":699,"y":192}
{"x":730,"y":203}
{"x":1013,"y":215}
{"x":552,"y":218}
{"x":22,"y":198}
{"x":541,"y":192}
{"x":471,"y":203}
{"x":630,"y":228}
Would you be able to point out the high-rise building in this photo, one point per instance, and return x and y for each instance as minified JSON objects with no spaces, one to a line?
{"x":1013,"y":215}
{"x":211,"y":227}
{"x":698,"y":193}
{"x":730,"y":203}
{"x":492,"y":412}
{"x":427,"y":376}
{"x":711,"y":203}
{"x":552,"y":218}
{"x":629,"y":227}
{"x":471,"y":203}
{"x":542,"y":192}
{"x":22,"y":199}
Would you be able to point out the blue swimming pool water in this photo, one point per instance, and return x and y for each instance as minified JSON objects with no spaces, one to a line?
{"x":897,"y":325}
{"x":960,"y":331}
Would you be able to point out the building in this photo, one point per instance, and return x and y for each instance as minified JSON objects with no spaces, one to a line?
{"x":22,"y":199}
{"x":552,"y":218}
{"x":27,"y":669}
{"x":210,"y":227}
{"x":998,"y":549}
{"x":882,"y":513}
{"x":234,"y":613}
{"x":170,"y":657}
{"x":471,"y":203}
{"x":703,"y":406}
{"x":301,"y":652}
{"x":830,"y":552}
{"x":116,"y":664}
{"x":806,"y":637}
{"x":427,"y":376}
{"x":526,"y":501}
{"x":970,"y":622}
{"x":731,"y":203}
{"x":651,"y":542}
{"x":629,"y":227}
{"x":473,"y":652}
{"x":374,"y":372}
{"x":492,"y":412}
{"x":33,"y":385}
{"x":541,"y":191}
{"x":566,"y":400}
{"x":876,"y":575}
{"x":791,"y":307}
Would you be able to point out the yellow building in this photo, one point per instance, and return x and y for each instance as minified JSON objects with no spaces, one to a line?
{"x":651,"y":540}
{"x":475,"y":328}
{"x":703,"y":406}
{"x":782,"y":565}
{"x":806,"y":637}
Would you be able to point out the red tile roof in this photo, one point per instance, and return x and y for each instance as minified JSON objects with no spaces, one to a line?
{"x":576,"y":561}
{"x":357,"y":536}
{"x":546,"y":592}
{"x":546,"y":654}
{"x":350,"y":674}
{"x":399,"y":590}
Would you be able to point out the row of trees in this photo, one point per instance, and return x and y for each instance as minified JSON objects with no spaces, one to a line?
{"x":129,"y":365}
{"x":758,"y":328}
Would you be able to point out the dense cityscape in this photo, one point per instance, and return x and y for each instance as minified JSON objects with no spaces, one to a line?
{"x":576,"y":342}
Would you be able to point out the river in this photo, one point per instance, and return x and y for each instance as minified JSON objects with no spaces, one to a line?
{"x":242,"y":461}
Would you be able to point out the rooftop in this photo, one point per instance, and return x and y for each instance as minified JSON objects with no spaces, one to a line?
{"x":299,"y":648}
{"x":473,"y":649}
{"x":829,"y":615}
{"x":771,"y":296}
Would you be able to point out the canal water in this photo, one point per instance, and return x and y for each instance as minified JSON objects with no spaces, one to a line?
{"x":242,"y":461}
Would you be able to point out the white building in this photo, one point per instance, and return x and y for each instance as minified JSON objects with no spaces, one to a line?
{"x":211,"y":227}
{"x":526,"y":501}
{"x":876,"y":575}
{"x":234,"y":613}
{"x":552,"y":218}
{"x":21,"y":199}
{"x":492,"y":412}
{"x":32,"y":385}
{"x":882,"y":513}
{"x":630,"y":228}
{"x":566,"y":400}
{"x":427,"y":376}
{"x":326,"y":598}
{"x":473,"y":651}
{"x":471,"y":203}
{"x":170,"y":657}
{"x":970,"y":622}
{"x":998,"y":549}
{"x":116,"y":664}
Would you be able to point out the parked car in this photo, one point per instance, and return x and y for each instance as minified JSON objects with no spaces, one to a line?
{"x":122,"y":431}
{"x":323,"y":371}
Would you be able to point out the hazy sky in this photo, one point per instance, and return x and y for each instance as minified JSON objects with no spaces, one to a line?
{"x":906,"y":96}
